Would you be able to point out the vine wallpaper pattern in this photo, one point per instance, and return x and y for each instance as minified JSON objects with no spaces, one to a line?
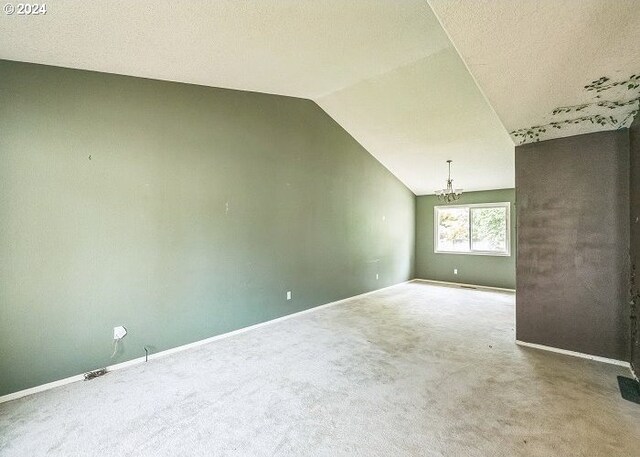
{"x":614,"y":106}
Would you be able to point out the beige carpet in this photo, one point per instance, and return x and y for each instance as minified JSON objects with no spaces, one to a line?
{"x":415,"y":370}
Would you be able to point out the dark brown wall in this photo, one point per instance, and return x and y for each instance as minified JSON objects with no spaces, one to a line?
{"x":572,"y":199}
{"x":634,"y":136}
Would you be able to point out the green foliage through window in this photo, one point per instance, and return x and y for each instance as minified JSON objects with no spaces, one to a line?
{"x":480,"y":229}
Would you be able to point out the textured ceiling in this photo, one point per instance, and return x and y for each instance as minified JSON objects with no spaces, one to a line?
{"x":287,"y":47}
{"x":534,"y":57}
{"x":415,"y":117}
{"x":385,"y":70}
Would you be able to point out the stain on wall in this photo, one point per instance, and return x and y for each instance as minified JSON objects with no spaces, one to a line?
{"x":178,"y":211}
{"x":573,"y":238}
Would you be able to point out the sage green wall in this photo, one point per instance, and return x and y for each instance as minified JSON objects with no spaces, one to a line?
{"x":178,"y":211}
{"x":495,"y":271}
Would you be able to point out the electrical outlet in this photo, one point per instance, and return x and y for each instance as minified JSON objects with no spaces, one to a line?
{"x":455,"y":271}
{"x":119,"y":332}
{"x":377,"y":276}
{"x":288,"y":295}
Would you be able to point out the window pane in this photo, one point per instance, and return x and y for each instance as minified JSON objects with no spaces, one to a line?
{"x":453,"y":229}
{"x":489,"y":229}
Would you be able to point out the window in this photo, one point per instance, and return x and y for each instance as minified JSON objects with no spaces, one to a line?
{"x":472,"y":229}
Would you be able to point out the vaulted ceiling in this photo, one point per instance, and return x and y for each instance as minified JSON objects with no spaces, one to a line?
{"x":551,"y":68}
{"x":387,"y":71}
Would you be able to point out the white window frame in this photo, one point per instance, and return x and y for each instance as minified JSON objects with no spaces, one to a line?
{"x":436,"y":227}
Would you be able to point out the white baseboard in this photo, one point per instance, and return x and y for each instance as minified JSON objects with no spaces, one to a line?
{"x":596,"y":358}
{"x":157,"y":355}
{"x":460,"y":284}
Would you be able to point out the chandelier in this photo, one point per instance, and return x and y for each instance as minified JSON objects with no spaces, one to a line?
{"x":449,"y":194}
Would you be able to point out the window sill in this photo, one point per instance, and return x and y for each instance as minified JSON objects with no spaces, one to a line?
{"x":491,"y":254}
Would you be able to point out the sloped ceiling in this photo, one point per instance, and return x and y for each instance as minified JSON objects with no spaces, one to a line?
{"x":419,"y":115}
{"x":385,"y":70}
{"x":287,"y":47}
{"x":533,"y":59}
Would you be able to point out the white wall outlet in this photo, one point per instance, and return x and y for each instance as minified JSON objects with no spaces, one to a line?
{"x":288,"y":295}
{"x":119,"y":332}
{"x":377,"y":276}
{"x":455,"y":271}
